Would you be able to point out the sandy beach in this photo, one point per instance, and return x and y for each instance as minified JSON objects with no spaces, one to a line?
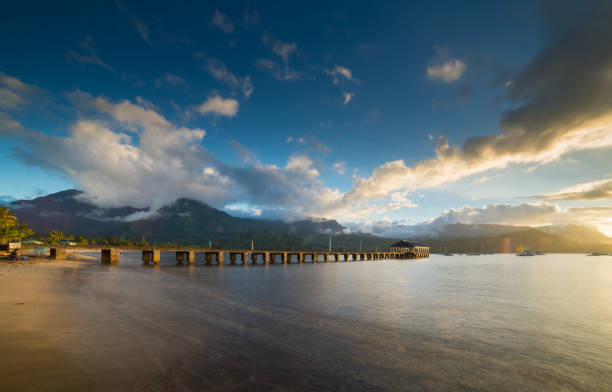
{"x":46,"y":339}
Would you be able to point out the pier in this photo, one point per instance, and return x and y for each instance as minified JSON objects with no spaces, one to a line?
{"x":111,"y":254}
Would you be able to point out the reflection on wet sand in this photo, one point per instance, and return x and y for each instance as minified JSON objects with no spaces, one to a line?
{"x":485,"y":325}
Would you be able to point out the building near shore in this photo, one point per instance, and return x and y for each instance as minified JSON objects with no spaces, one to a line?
{"x":411,"y":249}
{"x":7,"y":247}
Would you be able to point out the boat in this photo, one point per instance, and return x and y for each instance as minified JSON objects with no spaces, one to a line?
{"x":525,"y":253}
{"x":538,"y":253}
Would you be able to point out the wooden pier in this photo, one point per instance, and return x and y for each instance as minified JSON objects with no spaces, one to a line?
{"x":111,"y":254}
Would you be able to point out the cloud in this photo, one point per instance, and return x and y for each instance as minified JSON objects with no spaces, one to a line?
{"x":348,"y":97}
{"x":280,"y":72}
{"x":127,"y":153}
{"x":174,"y":79}
{"x":302,"y":164}
{"x":340,"y":71}
{"x":534,"y":215}
{"x":480,"y":180}
{"x":250,"y":19}
{"x":15,"y":94}
{"x":561,"y":104}
{"x":141,"y":28}
{"x":243,"y":208}
{"x":278,"y":47}
{"x":243,"y":152}
{"x":448,"y":71}
{"x":219,"y":106}
{"x":595,"y":190}
{"x":340,"y":74}
{"x":9,"y":100}
{"x":541,"y":214}
{"x":220,"y":72}
{"x":90,"y":57}
{"x":171,"y":79}
{"x":222,"y":22}
{"x":384,"y":227}
{"x":6,"y":200}
{"x":340,"y":167}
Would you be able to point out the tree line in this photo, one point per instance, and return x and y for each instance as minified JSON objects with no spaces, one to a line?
{"x":13,"y":231}
{"x":10,"y":228}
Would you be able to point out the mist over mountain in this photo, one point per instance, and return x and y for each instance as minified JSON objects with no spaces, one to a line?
{"x":184,"y":221}
{"x":190,"y":222}
{"x":573,"y":232}
{"x":5,"y":200}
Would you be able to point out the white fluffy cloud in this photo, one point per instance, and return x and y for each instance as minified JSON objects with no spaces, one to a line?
{"x":448,"y":71}
{"x":129,"y":154}
{"x":219,"y":106}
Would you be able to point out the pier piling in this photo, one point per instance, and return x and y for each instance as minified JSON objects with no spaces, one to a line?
{"x":57,"y":254}
{"x":110,"y":255}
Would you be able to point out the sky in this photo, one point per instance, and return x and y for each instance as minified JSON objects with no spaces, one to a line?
{"x":387,"y":116}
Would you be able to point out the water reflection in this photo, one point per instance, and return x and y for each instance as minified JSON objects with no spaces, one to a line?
{"x":495,"y":322}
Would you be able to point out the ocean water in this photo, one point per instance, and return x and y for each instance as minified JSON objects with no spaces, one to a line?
{"x":466,"y":323}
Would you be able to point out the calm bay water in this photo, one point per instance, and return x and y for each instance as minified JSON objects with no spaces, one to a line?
{"x":474,"y":323}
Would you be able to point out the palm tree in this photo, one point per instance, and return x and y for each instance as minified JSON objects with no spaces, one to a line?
{"x":55,"y":236}
{"x":24,"y":231}
{"x":7,"y":221}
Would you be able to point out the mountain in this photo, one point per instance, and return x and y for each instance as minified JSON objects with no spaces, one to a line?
{"x":530,"y":239}
{"x":190,"y":222}
{"x":70,"y":212}
{"x":578,"y":233}
{"x":462,"y":230}
{"x":185,"y":222}
{"x":571,"y":232}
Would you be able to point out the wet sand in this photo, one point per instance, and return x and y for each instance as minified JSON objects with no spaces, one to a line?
{"x":38,"y":317}
{"x":49,"y":342}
